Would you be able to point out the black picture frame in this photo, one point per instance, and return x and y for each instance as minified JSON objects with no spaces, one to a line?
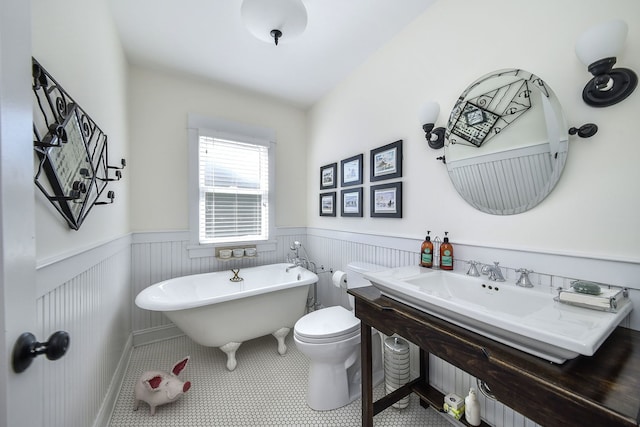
{"x":386,"y":162}
{"x":351,"y":202}
{"x":386,"y":200}
{"x":327,"y":204}
{"x":329,"y":176}
{"x":351,"y":171}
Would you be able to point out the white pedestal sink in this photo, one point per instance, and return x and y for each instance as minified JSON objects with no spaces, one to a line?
{"x":527,"y":319}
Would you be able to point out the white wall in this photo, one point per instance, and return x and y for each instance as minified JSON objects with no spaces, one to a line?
{"x":159,"y":104}
{"x":594,"y":207}
{"x":83,"y":286}
{"x":76,"y":42}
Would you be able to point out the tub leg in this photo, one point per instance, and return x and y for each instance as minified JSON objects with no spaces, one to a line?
{"x":280,"y":335}
{"x":230,"y":350}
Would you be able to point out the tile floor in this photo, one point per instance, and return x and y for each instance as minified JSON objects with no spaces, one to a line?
{"x":266,"y":389}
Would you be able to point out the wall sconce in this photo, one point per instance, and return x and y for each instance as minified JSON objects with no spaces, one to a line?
{"x":428,"y":116}
{"x":598,"y":48}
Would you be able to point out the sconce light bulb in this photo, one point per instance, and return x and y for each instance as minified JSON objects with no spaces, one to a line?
{"x":429,"y":112}
{"x":604,"y":40}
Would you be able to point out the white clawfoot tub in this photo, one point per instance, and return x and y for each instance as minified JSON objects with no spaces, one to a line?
{"x":217,"y":312}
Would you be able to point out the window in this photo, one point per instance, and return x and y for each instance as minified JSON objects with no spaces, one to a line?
{"x":234,"y":191}
{"x":231,"y":184}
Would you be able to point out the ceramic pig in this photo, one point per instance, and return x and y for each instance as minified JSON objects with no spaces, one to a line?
{"x":159,"y":387}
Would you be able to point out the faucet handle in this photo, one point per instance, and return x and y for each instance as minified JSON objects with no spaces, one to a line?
{"x":523,"y":280}
{"x":473,"y":270}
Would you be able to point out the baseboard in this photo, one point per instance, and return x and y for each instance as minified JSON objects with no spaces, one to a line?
{"x":109,"y":401}
{"x":151,"y":335}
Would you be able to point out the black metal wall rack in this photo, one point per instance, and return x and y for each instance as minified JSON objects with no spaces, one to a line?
{"x":72,"y":169}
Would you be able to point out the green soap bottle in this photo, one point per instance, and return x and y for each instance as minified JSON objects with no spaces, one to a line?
{"x":426,"y":252}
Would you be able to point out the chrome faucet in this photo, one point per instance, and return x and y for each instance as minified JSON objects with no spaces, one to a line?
{"x":493,"y":271}
{"x":297,"y":262}
{"x":473,"y":270}
{"x":524,"y":278}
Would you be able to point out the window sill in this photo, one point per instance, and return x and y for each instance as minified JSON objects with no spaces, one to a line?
{"x":209,"y":250}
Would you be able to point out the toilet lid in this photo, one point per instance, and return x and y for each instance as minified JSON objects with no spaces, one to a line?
{"x":327,"y":323}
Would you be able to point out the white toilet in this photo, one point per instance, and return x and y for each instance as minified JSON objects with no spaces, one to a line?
{"x":330,"y":338}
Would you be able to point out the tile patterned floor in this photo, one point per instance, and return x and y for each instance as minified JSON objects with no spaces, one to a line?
{"x":266,"y":389}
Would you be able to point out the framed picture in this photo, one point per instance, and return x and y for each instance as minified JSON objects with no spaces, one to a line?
{"x":329,"y":176}
{"x":386,"y":200}
{"x":386,"y":161}
{"x":351,"y":202}
{"x":352,"y":170}
{"x":328,"y":204}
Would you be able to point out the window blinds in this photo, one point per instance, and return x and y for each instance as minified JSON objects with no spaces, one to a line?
{"x":234,"y":183}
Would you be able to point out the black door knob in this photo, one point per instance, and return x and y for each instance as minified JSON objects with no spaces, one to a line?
{"x":27,"y":348}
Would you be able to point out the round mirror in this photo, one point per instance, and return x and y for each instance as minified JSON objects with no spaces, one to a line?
{"x":506,"y":142}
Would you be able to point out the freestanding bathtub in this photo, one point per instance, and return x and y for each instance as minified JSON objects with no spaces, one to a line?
{"x":215,"y":311}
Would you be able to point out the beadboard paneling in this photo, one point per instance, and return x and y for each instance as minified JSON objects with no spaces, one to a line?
{"x":94,"y":307}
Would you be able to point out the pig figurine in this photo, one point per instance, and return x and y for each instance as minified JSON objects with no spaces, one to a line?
{"x":159,"y":387}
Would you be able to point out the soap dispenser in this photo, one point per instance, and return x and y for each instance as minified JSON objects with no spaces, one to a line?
{"x":446,"y":254}
{"x":426,"y":252}
{"x":472,"y":408}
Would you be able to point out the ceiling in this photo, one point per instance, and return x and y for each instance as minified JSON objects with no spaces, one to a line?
{"x":206,"y":38}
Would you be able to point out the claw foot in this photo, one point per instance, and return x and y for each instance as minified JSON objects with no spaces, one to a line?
{"x":230,"y":350}
{"x":280,"y":335}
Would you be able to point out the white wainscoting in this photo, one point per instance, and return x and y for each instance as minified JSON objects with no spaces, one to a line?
{"x":88,"y":295}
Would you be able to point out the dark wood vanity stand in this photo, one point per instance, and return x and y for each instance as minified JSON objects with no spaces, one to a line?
{"x":601,"y":390}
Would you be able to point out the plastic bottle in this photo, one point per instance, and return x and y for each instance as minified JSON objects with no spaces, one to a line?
{"x":446,"y":254}
{"x":472,"y":408}
{"x":426,"y":252}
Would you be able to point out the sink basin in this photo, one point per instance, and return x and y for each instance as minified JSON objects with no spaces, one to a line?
{"x":527,"y":319}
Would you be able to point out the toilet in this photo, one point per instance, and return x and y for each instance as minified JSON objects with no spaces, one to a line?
{"x":330,"y":338}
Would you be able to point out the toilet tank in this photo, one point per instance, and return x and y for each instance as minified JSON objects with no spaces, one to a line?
{"x":355,"y":276}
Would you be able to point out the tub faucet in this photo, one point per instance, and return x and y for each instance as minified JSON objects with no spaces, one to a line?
{"x":493,"y":271}
{"x":297,"y":262}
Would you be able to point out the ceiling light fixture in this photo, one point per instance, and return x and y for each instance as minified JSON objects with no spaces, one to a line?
{"x":272,"y":20}
{"x":598,"y":48}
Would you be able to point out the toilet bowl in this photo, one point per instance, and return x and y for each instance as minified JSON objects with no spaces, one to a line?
{"x":330,"y":338}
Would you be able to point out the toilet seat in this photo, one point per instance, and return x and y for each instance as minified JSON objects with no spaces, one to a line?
{"x":327,"y":325}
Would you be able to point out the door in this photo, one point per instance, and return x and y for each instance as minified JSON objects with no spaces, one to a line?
{"x":20,"y":398}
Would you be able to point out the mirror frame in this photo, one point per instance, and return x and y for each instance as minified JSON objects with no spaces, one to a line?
{"x":506,"y":142}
